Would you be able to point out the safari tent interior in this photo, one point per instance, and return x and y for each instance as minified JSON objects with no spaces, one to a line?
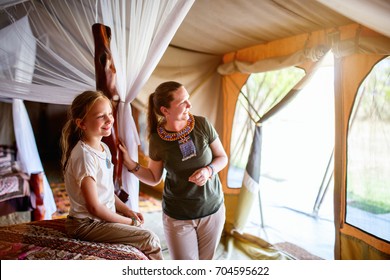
{"x":298,"y":90}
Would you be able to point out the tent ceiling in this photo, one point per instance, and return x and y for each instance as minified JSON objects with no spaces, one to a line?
{"x":219,"y":26}
{"x":213,"y":28}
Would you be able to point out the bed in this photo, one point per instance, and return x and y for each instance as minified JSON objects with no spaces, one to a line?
{"x":19,"y":192}
{"x":25,"y":235}
{"x":47,"y":240}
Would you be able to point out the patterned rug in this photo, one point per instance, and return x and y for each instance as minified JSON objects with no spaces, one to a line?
{"x":147,"y":203}
{"x":61,"y":199}
{"x":295,"y":251}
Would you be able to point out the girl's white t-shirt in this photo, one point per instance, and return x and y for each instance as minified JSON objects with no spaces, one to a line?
{"x":86,"y":161}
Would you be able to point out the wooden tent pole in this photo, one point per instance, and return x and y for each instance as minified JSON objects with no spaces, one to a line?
{"x":106,"y":82}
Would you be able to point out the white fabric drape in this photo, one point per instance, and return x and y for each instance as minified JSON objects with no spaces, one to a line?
{"x":9,"y":3}
{"x":141,"y":32}
{"x":20,"y":68}
{"x":152,"y":25}
{"x":64,"y":56}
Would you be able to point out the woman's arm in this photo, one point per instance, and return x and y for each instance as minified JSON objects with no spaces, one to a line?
{"x":89,"y":191}
{"x":219,"y":161}
{"x":220,"y":158}
{"x":150,"y":175}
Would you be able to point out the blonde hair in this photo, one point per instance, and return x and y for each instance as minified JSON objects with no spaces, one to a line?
{"x":71,"y":133}
{"x":162,"y":96}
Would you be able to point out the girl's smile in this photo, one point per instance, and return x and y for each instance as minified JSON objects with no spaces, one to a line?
{"x":98,"y":121}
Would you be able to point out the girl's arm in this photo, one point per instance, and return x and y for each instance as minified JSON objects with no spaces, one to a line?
{"x":89,"y":191}
{"x":122,"y":208}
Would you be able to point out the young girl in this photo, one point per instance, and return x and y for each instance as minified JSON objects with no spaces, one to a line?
{"x":96,"y":213}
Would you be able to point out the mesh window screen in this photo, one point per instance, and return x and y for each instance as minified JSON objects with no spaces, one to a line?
{"x":368,"y":166}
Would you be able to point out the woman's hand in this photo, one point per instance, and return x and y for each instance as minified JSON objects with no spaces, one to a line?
{"x":200,"y":176}
{"x":127,"y":161}
{"x":125,"y":153}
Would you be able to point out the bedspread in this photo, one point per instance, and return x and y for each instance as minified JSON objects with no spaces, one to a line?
{"x":47,"y":240}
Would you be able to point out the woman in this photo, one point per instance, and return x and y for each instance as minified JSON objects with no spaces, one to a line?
{"x":189,"y":149}
{"x":96,"y":213}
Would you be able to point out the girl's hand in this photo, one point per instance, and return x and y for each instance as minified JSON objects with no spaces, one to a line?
{"x":200,"y":176}
{"x":140,"y":217}
{"x":136,"y":217}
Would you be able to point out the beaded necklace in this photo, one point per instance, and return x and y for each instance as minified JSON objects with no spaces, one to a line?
{"x":186,"y":145}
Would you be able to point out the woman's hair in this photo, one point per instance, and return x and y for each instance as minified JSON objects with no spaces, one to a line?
{"x":162,"y":96}
{"x":71,"y":133}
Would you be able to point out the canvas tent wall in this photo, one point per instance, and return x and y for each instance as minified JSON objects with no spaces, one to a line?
{"x":230,"y":32}
{"x":358,"y":33}
{"x":363,"y":48}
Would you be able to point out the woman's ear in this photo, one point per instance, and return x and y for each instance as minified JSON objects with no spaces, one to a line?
{"x":164,"y":111}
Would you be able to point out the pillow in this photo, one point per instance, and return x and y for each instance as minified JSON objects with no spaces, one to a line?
{"x":8,"y":163}
{"x":7,"y":153}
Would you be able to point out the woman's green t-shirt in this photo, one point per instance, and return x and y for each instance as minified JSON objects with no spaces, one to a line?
{"x":183,"y":200}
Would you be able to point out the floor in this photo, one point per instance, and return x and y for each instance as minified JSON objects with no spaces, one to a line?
{"x":288,"y":216}
{"x":284,"y":219}
{"x":153,"y":222}
{"x":315,"y":234}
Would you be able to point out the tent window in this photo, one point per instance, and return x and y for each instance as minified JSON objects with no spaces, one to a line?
{"x":368,"y":176}
{"x":261,"y":92}
{"x":295,"y":186}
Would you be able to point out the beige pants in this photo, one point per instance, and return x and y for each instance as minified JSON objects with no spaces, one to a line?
{"x":194,"y":239}
{"x":101,"y":231}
